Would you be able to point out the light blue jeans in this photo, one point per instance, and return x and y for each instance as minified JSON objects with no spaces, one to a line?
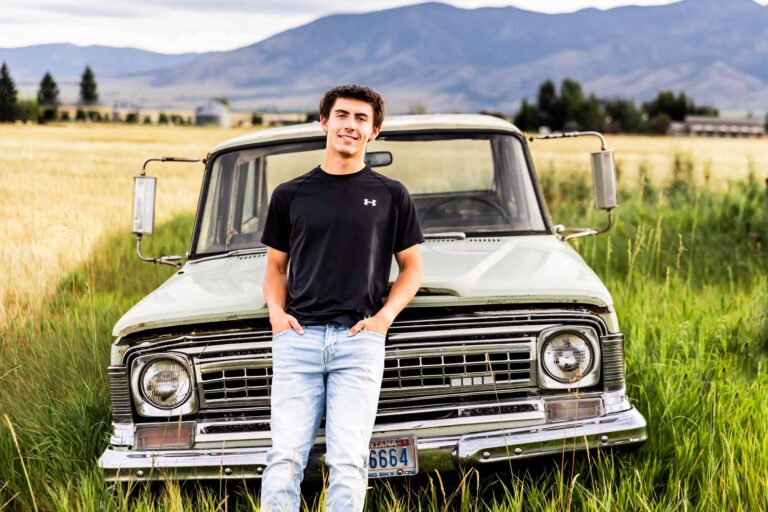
{"x":323,"y":370}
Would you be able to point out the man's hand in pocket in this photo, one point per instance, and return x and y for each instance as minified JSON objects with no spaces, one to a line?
{"x":282,"y":321}
{"x":377,"y":323}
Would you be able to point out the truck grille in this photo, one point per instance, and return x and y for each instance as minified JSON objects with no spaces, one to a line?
{"x":412,"y":368}
{"x":461,"y":357}
{"x":233,"y":383}
{"x":458,"y":368}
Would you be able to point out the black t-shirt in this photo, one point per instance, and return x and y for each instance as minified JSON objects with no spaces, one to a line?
{"x":340,"y":232}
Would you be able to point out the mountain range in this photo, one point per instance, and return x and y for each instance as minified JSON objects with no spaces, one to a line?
{"x":447,"y":58}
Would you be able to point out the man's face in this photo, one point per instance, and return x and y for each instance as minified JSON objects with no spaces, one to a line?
{"x":349,"y":126}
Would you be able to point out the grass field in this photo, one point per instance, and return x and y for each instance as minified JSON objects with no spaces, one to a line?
{"x":716,"y":160}
{"x":684,"y":262}
{"x":64,"y":188}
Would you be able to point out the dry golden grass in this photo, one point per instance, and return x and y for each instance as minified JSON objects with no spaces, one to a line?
{"x":63,"y":187}
{"x":722,"y":159}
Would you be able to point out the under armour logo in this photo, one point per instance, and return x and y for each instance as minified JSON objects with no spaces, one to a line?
{"x":367,"y":202}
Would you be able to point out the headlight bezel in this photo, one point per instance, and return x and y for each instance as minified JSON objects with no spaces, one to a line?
{"x":146,"y":408}
{"x":590,"y":378}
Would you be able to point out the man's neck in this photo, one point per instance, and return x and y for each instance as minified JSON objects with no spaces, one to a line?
{"x":336,"y":164}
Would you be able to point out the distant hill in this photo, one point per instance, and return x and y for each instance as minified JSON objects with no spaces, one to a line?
{"x":453,"y":59}
{"x":67,"y":61}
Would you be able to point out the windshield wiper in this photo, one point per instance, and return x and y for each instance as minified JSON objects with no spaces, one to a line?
{"x":451,"y":235}
{"x":235,"y":252}
{"x":250,"y":250}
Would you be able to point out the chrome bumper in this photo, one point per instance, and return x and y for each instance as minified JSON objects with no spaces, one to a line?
{"x":444,"y":453}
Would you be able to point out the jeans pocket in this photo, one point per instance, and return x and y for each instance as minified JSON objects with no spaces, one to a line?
{"x":373,"y":333}
{"x":281,"y":333}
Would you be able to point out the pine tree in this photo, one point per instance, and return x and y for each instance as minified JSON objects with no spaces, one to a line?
{"x":48,"y":92}
{"x":591,"y":114}
{"x":8,"y":100}
{"x":528,"y":117}
{"x":47,"y":99}
{"x":88,"y":92}
{"x":570,"y":102}
{"x":548,"y":106}
{"x":624,"y":116}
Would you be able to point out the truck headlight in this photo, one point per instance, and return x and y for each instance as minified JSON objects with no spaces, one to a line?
{"x":166,"y":383}
{"x":163,"y":385}
{"x":569,"y":358}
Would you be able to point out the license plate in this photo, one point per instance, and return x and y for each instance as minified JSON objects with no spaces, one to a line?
{"x":394,"y":456}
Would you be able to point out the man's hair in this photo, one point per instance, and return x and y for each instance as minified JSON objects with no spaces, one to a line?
{"x":355,"y":92}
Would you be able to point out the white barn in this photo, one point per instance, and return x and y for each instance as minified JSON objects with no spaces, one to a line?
{"x":212,"y":113}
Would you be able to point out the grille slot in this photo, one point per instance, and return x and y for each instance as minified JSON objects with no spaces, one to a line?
{"x":237,"y":428}
{"x":481,"y":408}
{"x":520,"y":320}
{"x":119,"y":393}
{"x":613,"y":361}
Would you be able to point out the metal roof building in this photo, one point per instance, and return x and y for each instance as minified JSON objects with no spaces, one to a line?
{"x":718,"y":127}
{"x":212,"y":113}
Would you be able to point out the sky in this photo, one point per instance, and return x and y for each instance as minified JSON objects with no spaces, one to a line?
{"x":180,"y":26}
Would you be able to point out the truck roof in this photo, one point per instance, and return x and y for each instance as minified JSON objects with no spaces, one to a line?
{"x":391,"y":124}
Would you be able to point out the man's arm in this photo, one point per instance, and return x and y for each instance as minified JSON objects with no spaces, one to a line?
{"x":275,"y":288}
{"x":403,"y":290}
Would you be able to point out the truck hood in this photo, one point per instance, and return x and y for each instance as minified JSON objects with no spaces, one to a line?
{"x":520,"y":269}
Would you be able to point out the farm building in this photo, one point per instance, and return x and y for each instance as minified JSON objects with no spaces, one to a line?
{"x":212,"y":113}
{"x":718,"y":127}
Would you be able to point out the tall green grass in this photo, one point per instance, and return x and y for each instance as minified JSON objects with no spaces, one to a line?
{"x":687,"y":268}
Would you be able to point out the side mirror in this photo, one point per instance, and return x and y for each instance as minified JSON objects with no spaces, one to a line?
{"x":144,"y":188}
{"x":603,"y":184}
{"x":604,"y":180}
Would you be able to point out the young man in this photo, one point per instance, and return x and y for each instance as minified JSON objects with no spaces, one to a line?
{"x":339,"y":225}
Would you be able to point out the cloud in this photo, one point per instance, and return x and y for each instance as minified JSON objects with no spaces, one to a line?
{"x":158,"y":28}
{"x":37,"y":9}
{"x":259,"y":7}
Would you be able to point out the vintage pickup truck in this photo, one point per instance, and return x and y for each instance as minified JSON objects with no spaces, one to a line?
{"x":511,"y":348}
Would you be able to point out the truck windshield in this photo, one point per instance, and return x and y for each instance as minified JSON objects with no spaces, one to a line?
{"x":477,"y":184}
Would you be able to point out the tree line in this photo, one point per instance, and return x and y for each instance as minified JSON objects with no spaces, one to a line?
{"x":565,"y":109}
{"x":570,"y":109}
{"x":45,"y":106}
